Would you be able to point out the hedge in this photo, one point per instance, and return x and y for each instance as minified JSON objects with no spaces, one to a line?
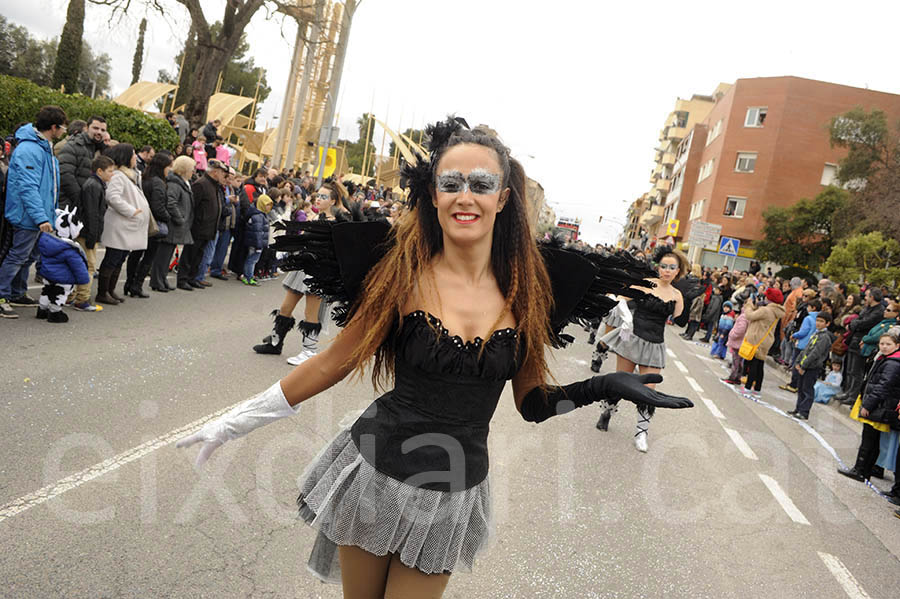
{"x":20,"y":101}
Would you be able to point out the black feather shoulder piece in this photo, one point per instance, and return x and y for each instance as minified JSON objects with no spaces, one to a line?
{"x":335,"y":257}
{"x":582,"y":282}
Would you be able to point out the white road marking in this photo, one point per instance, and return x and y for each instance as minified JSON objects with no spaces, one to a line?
{"x":741,"y":444}
{"x":843,"y":576}
{"x":694,"y":384}
{"x":17,"y":506}
{"x":670,"y":352}
{"x":681,"y":367}
{"x":781,"y":497}
{"x":713,"y":408}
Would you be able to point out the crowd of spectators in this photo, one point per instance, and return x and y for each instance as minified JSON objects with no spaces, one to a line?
{"x":836,"y":343}
{"x":149,"y":212}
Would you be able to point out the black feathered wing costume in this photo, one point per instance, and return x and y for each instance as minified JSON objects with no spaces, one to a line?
{"x":337,"y":257}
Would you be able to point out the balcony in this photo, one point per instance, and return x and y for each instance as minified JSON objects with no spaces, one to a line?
{"x":668,"y":159}
{"x":676,"y":133}
{"x":651,"y":216}
{"x":663,"y":185}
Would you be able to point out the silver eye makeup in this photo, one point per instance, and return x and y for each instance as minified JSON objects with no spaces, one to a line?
{"x":480,"y":182}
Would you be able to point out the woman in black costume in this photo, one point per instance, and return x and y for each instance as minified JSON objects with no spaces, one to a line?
{"x":645,"y":346}
{"x":459,"y":304}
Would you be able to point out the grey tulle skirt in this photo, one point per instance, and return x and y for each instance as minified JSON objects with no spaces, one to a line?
{"x":351,"y":503}
{"x":293,"y":281}
{"x":635,"y":349}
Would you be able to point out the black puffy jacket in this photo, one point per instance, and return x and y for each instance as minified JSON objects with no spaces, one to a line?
{"x":75,"y":160}
{"x":155,"y":192}
{"x":92,"y":211}
{"x":881,"y":392}
{"x":868,"y":318}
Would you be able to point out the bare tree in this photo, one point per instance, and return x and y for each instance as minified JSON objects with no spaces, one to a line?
{"x":213,"y":49}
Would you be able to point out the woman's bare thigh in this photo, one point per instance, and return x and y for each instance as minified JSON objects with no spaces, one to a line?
{"x":404,"y":582}
{"x":624,"y":364}
{"x":363,"y":574}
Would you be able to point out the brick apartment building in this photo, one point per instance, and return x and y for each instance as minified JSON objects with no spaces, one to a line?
{"x":680,"y":121}
{"x":764,"y":143}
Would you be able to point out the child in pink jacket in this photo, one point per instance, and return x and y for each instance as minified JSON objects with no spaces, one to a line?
{"x":735,"y":338}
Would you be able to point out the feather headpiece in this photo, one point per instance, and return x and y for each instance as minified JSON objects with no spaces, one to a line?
{"x":421,"y":174}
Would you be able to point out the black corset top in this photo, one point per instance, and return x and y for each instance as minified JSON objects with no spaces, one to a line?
{"x":431,"y":430}
{"x":650,"y":315}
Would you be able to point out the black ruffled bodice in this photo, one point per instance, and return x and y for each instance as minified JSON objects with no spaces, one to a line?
{"x":431,"y":430}
{"x":650,"y":315}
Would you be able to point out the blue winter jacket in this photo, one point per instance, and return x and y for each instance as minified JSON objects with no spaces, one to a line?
{"x":807,"y":328}
{"x":32,"y":187}
{"x":62,"y":261}
{"x":256,"y":234}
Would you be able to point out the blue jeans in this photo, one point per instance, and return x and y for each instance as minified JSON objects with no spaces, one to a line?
{"x":806,"y":391}
{"x":15,"y":267}
{"x":207,"y":258}
{"x":719,"y":349}
{"x":219,"y":252}
{"x":253,"y":255}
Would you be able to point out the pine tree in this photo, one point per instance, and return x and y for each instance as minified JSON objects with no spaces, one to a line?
{"x":68,"y":53}
{"x":138,"y":54}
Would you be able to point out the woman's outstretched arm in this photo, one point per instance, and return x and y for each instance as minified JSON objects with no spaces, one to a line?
{"x":537,"y":402}
{"x":280,"y":400}
{"x":325,"y":369}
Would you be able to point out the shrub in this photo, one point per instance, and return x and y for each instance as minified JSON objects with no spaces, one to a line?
{"x":20,"y":101}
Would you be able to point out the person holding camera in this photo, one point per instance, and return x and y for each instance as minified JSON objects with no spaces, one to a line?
{"x":762,"y":314}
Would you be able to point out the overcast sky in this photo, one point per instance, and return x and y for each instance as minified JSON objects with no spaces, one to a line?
{"x":577,"y":89}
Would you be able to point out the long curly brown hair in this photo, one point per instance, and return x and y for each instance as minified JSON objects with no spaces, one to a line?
{"x":417,"y":239}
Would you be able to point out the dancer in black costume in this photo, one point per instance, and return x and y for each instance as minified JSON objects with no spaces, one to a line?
{"x":451,"y":312}
{"x":645,"y":346}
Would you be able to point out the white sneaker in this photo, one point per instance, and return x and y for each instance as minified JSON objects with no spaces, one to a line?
{"x":640,"y":442}
{"x":303,"y":356}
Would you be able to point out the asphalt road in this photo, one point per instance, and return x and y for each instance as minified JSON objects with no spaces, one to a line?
{"x":734,"y":499}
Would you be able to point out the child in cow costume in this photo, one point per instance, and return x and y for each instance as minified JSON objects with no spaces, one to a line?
{"x":63,"y":265}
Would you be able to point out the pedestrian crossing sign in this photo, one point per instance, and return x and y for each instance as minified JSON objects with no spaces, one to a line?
{"x":729,"y":246}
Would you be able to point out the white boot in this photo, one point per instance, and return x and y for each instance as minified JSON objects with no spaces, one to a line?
{"x":645,"y":413}
{"x":310,"y":332}
{"x":640,"y":442}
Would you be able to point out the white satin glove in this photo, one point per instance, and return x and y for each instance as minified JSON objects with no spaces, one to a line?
{"x":260,"y":410}
{"x":626,"y":330}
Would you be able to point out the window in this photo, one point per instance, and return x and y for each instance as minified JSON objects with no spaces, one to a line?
{"x":734,"y":207}
{"x":697,"y":209}
{"x":746,"y":161}
{"x":829,"y":174}
{"x":677,"y":180}
{"x":706,"y":170}
{"x":756,"y":116}
{"x":714,"y":132}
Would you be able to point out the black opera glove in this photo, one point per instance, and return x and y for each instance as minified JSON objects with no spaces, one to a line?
{"x":611,"y":387}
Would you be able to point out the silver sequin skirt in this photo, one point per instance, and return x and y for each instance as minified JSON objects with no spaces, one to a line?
{"x":294,"y":281}
{"x":635,"y":349}
{"x":351,"y":503}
